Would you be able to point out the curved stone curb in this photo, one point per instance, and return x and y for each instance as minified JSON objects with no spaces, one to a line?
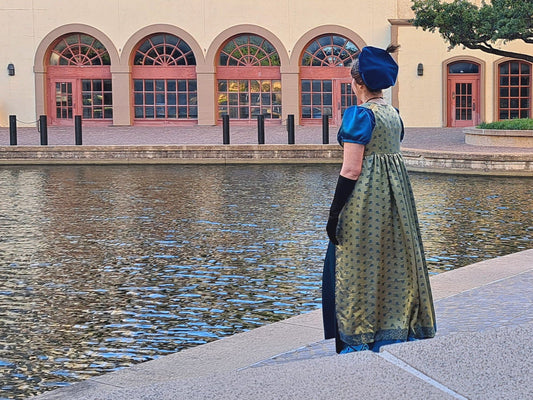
{"x":499,"y":137}
{"x":512,"y":164}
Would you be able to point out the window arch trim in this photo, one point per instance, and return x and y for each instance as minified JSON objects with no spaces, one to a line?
{"x":248,"y":50}
{"x":164,"y":49}
{"x":329,"y":50}
{"x":79,"y":49}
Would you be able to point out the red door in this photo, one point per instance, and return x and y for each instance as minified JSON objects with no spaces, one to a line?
{"x":345,"y":98}
{"x":463,"y":100}
{"x":63,"y":105}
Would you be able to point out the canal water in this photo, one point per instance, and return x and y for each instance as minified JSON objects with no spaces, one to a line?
{"x":102,"y":267}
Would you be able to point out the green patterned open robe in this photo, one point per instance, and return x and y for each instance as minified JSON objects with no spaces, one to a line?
{"x":376,"y":287}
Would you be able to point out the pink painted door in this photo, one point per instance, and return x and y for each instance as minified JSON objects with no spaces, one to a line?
{"x":463,"y":100}
{"x":62,"y":104}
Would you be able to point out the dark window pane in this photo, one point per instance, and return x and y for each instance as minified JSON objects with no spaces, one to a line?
{"x":160,"y":112}
{"x":171,"y":99}
{"x":244,"y":112}
{"x":463,"y":68}
{"x":108,"y":99}
{"x":504,"y":68}
{"x":86,"y":85}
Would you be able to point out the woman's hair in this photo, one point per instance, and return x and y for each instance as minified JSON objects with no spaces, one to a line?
{"x":391,"y":48}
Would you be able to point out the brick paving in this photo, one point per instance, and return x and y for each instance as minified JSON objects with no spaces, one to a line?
{"x":441,"y":139}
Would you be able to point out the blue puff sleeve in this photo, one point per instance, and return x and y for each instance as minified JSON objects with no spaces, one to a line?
{"x":357,"y":126}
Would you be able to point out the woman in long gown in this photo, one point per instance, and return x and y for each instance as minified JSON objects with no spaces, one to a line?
{"x":375,"y":285}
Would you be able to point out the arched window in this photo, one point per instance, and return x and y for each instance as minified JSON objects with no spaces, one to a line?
{"x":249,"y":79}
{"x":325,"y":88}
{"x":514,"y":90}
{"x":79,"y":50}
{"x":463,"y":67}
{"x":164,"y":80}
{"x":164,"y":50}
{"x":80,"y":80}
{"x":329,"y":51}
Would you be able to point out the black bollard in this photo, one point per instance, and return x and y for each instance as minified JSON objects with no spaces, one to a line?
{"x":225,"y":129}
{"x":43,"y":128}
{"x":325,"y":129}
{"x":261,"y":129}
{"x":12,"y":130}
{"x":290,"y":128}
{"x":77,"y":129}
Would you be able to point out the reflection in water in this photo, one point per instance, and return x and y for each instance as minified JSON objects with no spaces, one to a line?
{"x":105,"y":266}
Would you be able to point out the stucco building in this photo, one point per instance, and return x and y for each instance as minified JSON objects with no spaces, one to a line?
{"x":184,"y":62}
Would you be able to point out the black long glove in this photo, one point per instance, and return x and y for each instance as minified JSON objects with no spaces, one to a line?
{"x":342,"y":192}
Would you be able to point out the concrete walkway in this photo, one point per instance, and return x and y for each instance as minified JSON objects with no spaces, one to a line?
{"x":483,"y":350}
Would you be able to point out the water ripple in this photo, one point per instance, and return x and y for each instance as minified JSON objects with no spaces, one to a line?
{"x":107,"y":266}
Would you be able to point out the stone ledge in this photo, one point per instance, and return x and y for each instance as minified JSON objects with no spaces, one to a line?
{"x":512,"y":164}
{"x":179,"y":154}
{"x":498,"y":137}
{"x":515,"y":164}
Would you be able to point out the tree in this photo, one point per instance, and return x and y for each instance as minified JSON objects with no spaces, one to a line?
{"x":461,"y":22}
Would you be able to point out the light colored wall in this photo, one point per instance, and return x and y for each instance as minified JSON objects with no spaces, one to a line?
{"x":422,"y":98}
{"x":26,"y":25}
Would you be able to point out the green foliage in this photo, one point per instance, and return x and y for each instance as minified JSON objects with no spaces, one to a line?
{"x":511,"y":124}
{"x":461,"y":22}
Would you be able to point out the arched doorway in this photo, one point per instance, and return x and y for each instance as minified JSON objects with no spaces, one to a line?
{"x":463,"y":94}
{"x":325,"y":82}
{"x":79,"y":81}
{"x":164,"y":81}
{"x":514,"y":90}
{"x":249,"y":79}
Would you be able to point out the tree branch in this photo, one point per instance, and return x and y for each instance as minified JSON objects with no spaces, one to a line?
{"x":489,"y":49}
